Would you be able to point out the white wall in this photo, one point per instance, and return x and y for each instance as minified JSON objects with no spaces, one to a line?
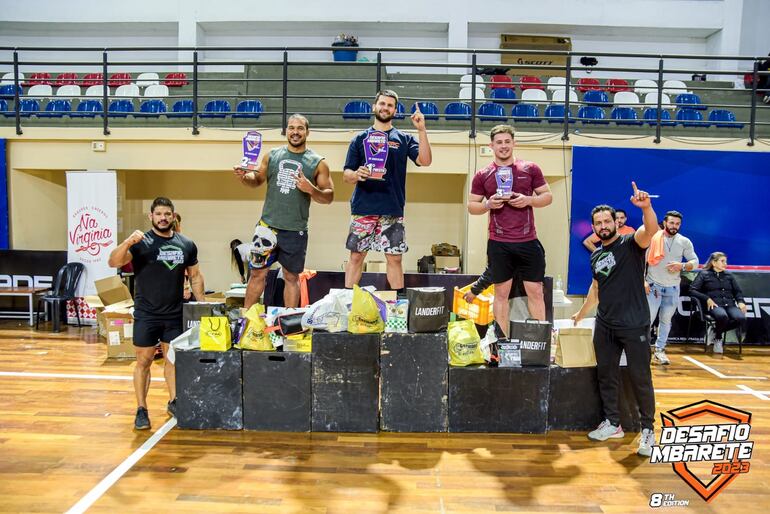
{"x":719,"y":27}
{"x":755,"y":36}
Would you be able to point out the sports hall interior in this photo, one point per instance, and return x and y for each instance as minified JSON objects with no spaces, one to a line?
{"x":66,"y":438}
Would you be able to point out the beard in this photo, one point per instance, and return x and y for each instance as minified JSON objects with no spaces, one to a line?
{"x":672,"y":231}
{"x":382,"y":117}
{"x":298,"y":144}
{"x":161,"y":229}
{"x":606,"y":236}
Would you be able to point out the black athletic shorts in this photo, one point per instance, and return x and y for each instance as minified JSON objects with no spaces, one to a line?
{"x":150,"y":332}
{"x":290,"y":250}
{"x":525,"y":260}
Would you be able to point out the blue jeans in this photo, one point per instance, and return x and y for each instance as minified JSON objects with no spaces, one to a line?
{"x":663,"y":299}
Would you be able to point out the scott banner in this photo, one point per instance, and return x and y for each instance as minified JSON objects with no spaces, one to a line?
{"x":92,"y":224}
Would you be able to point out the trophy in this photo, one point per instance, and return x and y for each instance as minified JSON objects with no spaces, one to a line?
{"x":252,"y":144}
{"x":376,"y":152}
{"x":504,"y":177}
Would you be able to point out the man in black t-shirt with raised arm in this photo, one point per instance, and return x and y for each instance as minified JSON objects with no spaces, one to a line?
{"x":160,"y":257}
{"x":622,"y":318}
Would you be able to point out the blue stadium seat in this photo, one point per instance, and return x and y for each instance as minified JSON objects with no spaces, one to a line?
{"x":4,"y":109}
{"x":248,"y":109}
{"x":152,"y":108}
{"x":457,"y":111}
{"x":357,"y":110}
{"x":625,"y":116}
{"x":526,"y":112}
{"x":503,"y":94}
{"x":120,"y":108}
{"x":555,"y":114}
{"x":651,"y":117}
{"x":28,"y":107}
{"x":400,"y":111}
{"x":181,"y":109}
{"x":429,"y":109}
{"x":689,"y":100}
{"x":216,"y":109}
{"x":592,"y":114}
{"x":88,"y":109}
{"x":56,"y":108}
{"x":724,"y":118}
{"x":690,"y":118}
{"x":596,"y":98}
{"x":6,"y":91}
{"x":491,"y":111}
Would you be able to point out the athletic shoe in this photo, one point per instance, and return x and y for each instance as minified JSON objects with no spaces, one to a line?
{"x":171,"y":407}
{"x":660,"y":357}
{"x":646,"y":442}
{"x":606,"y":430}
{"x":711,"y":336}
{"x":718,"y":346}
{"x":766,"y":99}
{"x":142,"y":420}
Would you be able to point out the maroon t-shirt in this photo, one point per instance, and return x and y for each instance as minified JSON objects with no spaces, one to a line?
{"x":509,"y":224}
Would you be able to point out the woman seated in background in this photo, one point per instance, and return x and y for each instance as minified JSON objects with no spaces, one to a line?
{"x":719,"y":291}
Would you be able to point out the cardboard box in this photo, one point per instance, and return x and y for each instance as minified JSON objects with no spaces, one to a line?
{"x":124,"y":309}
{"x":114,"y":316}
{"x":119,"y":328}
{"x":446,"y":262}
{"x":376,"y":267}
{"x":529,"y":42}
{"x":112,"y":290}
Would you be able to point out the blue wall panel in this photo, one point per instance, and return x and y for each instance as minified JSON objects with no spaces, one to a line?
{"x":3,"y":198}
{"x":724,"y":197}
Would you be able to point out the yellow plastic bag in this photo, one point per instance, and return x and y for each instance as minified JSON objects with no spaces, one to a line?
{"x":215,"y":334}
{"x":364,"y":317}
{"x":464,"y":348}
{"x":299,"y":343}
{"x":254,"y":336}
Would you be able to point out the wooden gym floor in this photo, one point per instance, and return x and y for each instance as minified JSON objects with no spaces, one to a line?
{"x":67,"y":444}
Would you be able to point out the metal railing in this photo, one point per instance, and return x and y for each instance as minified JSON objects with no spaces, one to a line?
{"x":109,"y":60}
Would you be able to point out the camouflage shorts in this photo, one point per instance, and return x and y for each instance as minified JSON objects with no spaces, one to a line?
{"x":375,"y":233}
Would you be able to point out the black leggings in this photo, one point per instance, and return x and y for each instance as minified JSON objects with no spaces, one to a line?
{"x":609,"y":343}
{"x":727,"y":318}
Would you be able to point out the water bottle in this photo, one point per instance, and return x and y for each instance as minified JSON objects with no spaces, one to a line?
{"x":559,"y":286}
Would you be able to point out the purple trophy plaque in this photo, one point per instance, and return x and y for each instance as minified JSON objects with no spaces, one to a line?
{"x":252,"y":144}
{"x":376,"y":152}
{"x":504,"y":177}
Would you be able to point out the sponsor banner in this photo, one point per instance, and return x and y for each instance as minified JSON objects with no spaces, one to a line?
{"x":3,"y":198}
{"x":30,"y":268}
{"x":91,"y":224}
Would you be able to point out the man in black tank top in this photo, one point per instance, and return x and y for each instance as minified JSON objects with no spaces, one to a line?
{"x":160,"y":257}
{"x":622,"y":318}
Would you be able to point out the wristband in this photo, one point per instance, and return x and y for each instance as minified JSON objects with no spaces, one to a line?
{"x":486,"y":205}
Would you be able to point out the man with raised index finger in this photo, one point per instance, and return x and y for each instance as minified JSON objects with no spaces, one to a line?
{"x":622,"y":318}
{"x":376,"y":164}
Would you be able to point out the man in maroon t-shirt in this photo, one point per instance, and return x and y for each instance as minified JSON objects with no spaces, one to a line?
{"x":508,"y":189}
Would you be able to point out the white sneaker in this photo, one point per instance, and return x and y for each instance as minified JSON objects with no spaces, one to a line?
{"x":660,"y":357}
{"x":646,"y":442}
{"x":711,"y":335}
{"x":718,"y":346}
{"x":606,"y":430}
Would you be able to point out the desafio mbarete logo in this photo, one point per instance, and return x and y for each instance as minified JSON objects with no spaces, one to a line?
{"x":724,"y":444}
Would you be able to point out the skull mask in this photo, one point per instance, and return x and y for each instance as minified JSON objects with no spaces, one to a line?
{"x":263,"y":243}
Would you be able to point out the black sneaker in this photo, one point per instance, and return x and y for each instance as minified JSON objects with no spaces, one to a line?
{"x":171,"y":407}
{"x":142,"y":420}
